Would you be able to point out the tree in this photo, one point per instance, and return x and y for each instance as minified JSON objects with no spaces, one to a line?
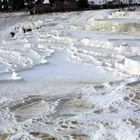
{"x":0,"y":4}
{"x":82,"y":4}
{"x":5,"y":5}
{"x":52,"y":2}
{"x":39,"y":2}
{"x":30,"y":3}
{"x":17,"y":4}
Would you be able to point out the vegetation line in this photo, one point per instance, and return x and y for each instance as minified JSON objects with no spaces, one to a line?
{"x":38,"y":6}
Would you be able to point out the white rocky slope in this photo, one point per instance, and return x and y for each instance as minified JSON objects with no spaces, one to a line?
{"x":88,"y":85}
